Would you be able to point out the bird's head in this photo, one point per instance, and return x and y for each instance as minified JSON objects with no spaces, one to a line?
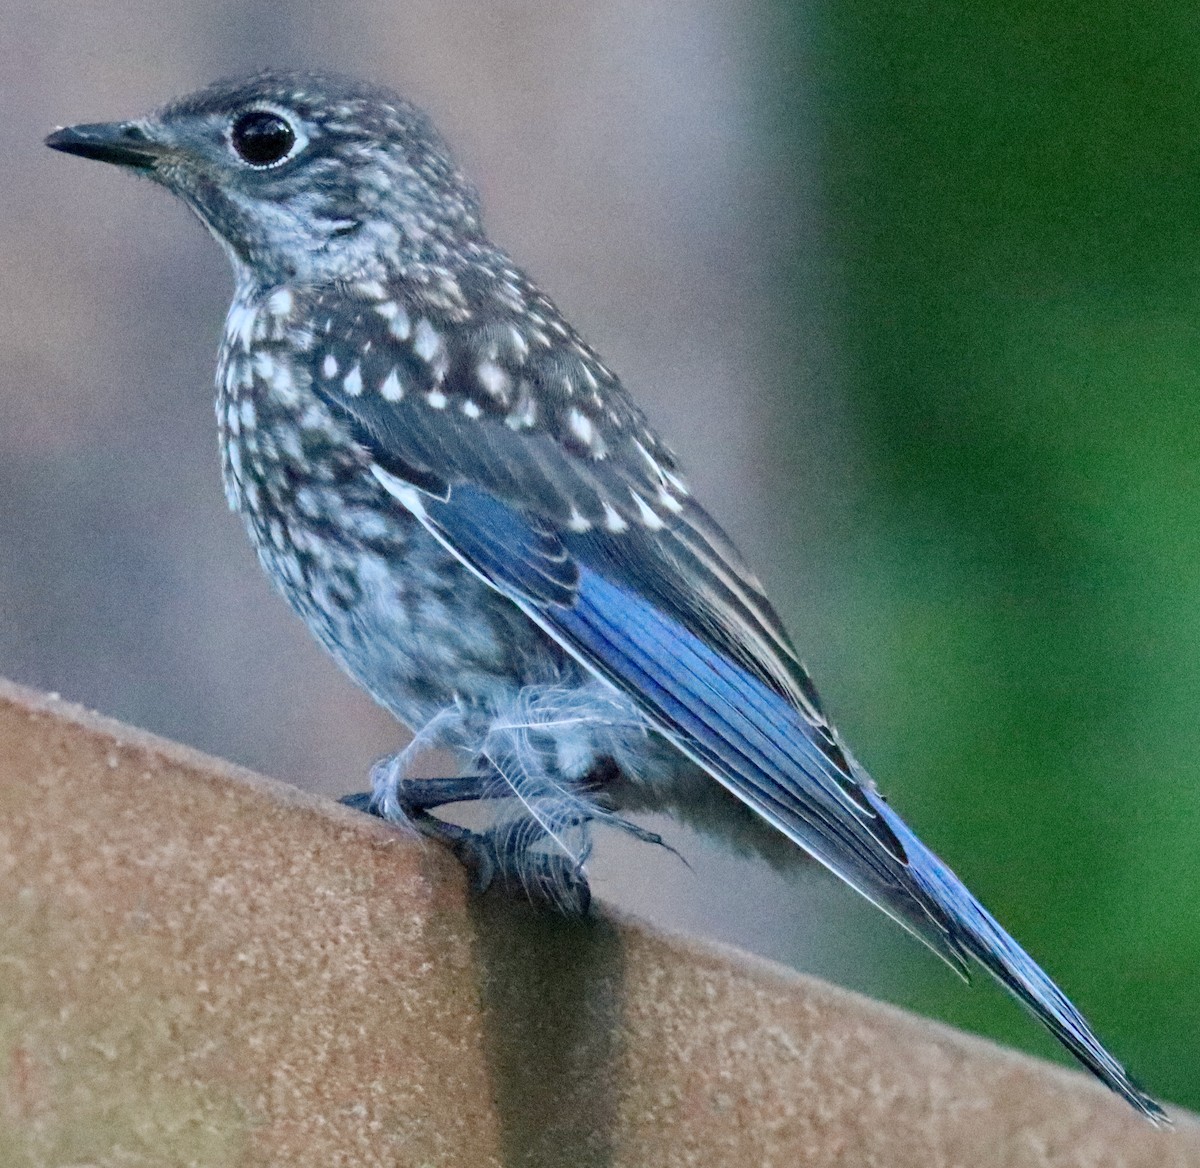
{"x":301,"y":177}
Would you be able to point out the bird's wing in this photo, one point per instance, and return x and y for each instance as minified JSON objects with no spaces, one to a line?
{"x":558,"y":496}
{"x":564,"y":501}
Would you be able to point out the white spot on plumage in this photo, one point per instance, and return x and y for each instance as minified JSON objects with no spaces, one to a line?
{"x":353,"y":383}
{"x":398,"y":323}
{"x":315,"y":417}
{"x":668,"y":482}
{"x":280,"y":303}
{"x":676,"y":482}
{"x":309,"y":503}
{"x":669,"y":501}
{"x":649,"y":516}
{"x":519,"y":344}
{"x":371,"y":290}
{"x":493,"y":379}
{"x":366,"y":524}
{"x":329,"y":366}
{"x":247,"y":413}
{"x":614,"y":521}
{"x":241,"y":322}
{"x":265,"y":366}
{"x":426,"y":341}
{"x":283,"y":384}
{"x":582,"y":427}
{"x":509,"y":294}
{"x":242,"y":374}
{"x":471,"y":409}
{"x":525,"y":415}
{"x":391,"y":389}
{"x":277,"y":376}
{"x":436,"y":399}
{"x":290,"y":444}
{"x":576,"y":521}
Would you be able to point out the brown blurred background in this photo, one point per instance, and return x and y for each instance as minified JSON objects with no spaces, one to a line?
{"x":908,"y":290}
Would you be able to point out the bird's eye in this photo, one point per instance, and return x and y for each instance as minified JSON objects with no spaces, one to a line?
{"x":262,"y":138}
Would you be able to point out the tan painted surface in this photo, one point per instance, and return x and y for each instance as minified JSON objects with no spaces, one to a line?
{"x":199,"y":966}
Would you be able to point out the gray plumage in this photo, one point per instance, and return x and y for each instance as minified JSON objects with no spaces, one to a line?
{"x":475,"y":519}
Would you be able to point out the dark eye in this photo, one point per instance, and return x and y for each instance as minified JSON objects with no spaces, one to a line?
{"x":262,"y":138}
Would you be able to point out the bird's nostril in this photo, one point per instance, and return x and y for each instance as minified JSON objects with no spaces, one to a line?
{"x":132,"y":132}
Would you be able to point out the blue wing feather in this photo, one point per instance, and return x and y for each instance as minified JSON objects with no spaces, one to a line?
{"x":755,"y":742}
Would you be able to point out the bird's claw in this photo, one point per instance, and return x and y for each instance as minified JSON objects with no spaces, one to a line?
{"x":545,"y":877}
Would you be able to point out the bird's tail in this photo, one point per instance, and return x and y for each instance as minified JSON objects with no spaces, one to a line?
{"x":978,"y":933}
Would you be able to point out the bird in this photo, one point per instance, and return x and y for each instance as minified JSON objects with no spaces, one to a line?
{"x":474,"y":517}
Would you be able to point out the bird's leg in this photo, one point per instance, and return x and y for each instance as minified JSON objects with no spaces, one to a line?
{"x":500,"y":852}
{"x":553,"y":875}
{"x":411,"y":798}
{"x":509,"y":853}
{"x":408,"y":797}
{"x":550,"y":877}
{"x":396,"y":797}
{"x":528,"y":854}
{"x":410,"y":802}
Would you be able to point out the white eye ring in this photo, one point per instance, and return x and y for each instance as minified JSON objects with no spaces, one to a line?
{"x":264,"y":137}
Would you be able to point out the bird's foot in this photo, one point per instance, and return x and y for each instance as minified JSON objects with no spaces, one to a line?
{"x":514,"y":863}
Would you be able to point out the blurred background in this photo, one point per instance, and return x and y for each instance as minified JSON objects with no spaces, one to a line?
{"x":914,"y":290}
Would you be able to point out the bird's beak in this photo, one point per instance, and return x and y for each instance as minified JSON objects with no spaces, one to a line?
{"x":122,"y":143}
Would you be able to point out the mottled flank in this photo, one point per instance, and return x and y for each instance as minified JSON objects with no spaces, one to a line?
{"x":473,"y":516}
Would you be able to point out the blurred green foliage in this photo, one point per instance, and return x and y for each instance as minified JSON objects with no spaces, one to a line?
{"x":1013,"y":192}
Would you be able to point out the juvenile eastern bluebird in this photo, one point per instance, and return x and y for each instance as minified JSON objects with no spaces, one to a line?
{"x":472,"y":515}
